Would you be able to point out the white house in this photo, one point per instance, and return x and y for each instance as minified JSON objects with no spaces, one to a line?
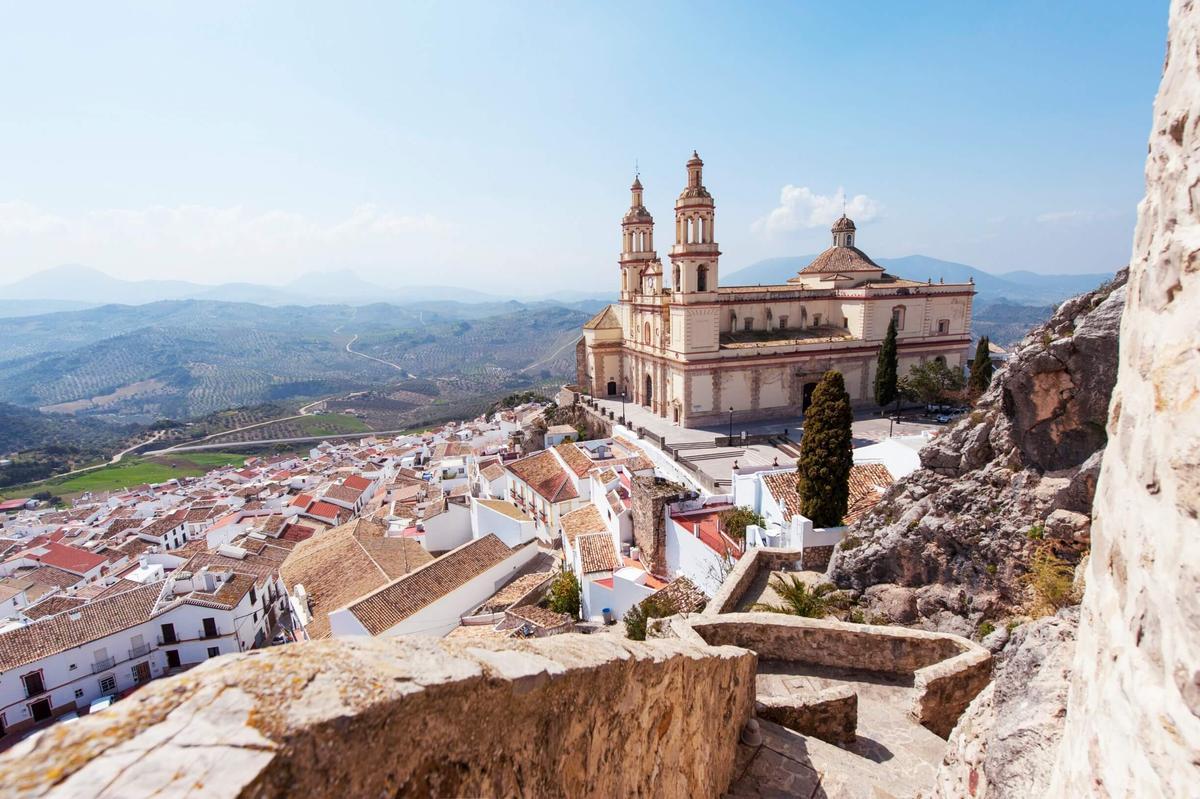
{"x":503,"y":519}
{"x":431,"y":599}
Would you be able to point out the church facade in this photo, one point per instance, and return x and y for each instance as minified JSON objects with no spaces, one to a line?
{"x":693,"y":350}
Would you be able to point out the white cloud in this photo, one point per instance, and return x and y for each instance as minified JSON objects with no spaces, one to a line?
{"x":211,"y":244}
{"x":801,"y":209}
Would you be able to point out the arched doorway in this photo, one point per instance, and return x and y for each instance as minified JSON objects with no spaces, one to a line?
{"x":676,"y":413}
{"x":648,"y":394}
{"x":809,"y":388}
{"x":612,"y":388}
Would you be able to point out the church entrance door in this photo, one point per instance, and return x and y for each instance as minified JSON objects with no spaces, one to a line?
{"x":809,"y":388}
{"x":612,"y":388}
{"x":648,"y":394}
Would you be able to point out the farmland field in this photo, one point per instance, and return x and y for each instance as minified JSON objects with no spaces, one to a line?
{"x":129,"y":472}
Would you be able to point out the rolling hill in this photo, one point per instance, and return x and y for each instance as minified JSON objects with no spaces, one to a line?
{"x":1022,"y":287}
{"x":179,"y":359}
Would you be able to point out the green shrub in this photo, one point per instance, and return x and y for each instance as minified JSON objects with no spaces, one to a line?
{"x":638,"y":617}
{"x":735,"y":521}
{"x":565,"y":594}
{"x":850,"y":542}
{"x":1052,"y":581}
{"x":799,"y":599}
{"x":1037,"y":532}
{"x":991,"y":568}
{"x":986,"y":629}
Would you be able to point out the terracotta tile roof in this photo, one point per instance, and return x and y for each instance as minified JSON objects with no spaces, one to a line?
{"x":841,"y":259}
{"x":340,"y":565}
{"x":868,"y":482}
{"x":782,"y":487}
{"x":396,"y":601}
{"x":576,"y":461}
{"x":55,"y":603}
{"x":606,"y":319}
{"x":323,"y":510}
{"x":49,"y":575}
{"x":543,"y":473}
{"x":227,"y":596}
{"x":66,"y":558}
{"x":61,"y":632}
{"x":539,"y":617}
{"x":507,"y":508}
{"x":357,"y":482}
{"x":514,"y":591}
{"x":492,"y":471}
{"x":596,"y":553}
{"x":344,"y":493}
{"x":681,"y":595}
{"x":582,"y":521}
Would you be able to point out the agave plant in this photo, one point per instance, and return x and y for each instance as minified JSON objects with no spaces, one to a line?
{"x":799,"y":599}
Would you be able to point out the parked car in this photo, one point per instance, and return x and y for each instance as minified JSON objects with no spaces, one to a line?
{"x":942,"y":419}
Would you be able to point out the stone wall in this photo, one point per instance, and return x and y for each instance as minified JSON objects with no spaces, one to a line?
{"x":563,"y":716}
{"x":649,"y":498}
{"x":816,"y":558}
{"x":1133,"y":712}
{"x":745,"y":571}
{"x":947,"y":671}
{"x":831,"y":715}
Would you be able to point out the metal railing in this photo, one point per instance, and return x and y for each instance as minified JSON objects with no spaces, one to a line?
{"x":216,"y":633}
{"x":138,"y":651}
{"x":103,"y":665}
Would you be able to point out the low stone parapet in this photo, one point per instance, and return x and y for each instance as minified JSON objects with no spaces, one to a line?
{"x":943,"y":690}
{"x":831,"y":714}
{"x":744,"y":572}
{"x":569,"y":715}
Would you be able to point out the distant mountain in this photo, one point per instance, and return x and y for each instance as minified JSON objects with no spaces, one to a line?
{"x":72,"y":287}
{"x":182,"y":358}
{"x":1023,"y":287}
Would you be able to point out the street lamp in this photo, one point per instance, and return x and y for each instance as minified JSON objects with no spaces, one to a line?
{"x":623,"y":393}
{"x":731,"y":425}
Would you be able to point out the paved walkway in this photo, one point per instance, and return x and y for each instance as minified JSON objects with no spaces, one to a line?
{"x":893,"y":756}
{"x":717,"y":462}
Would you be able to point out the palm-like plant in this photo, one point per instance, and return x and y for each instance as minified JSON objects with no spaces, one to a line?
{"x":799,"y":599}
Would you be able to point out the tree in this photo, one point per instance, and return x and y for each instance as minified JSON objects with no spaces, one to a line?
{"x":931,"y":381}
{"x":638,"y":617}
{"x":565,"y":593}
{"x":981,"y":368}
{"x":735,"y":521}
{"x":887,"y":388}
{"x":823,"y":471}
{"x":799,"y":599}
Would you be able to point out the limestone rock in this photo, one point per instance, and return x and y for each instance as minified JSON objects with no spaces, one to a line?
{"x":1133,"y":715}
{"x":1021,"y":465}
{"x":1005,"y":744}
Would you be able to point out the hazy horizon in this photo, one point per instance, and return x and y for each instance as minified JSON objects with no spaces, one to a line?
{"x":432,"y":145}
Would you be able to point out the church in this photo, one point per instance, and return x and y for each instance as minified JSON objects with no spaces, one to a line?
{"x":694,"y":350}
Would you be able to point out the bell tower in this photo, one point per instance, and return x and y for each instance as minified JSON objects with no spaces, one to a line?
{"x":637,"y":246}
{"x":694,"y":256}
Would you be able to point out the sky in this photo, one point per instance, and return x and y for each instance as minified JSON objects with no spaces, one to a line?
{"x":492,"y":144}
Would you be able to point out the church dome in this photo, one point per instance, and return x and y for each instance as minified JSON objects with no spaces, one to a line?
{"x":844,"y":225}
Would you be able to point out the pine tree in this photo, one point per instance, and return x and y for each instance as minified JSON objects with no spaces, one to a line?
{"x":823,"y":471}
{"x":887,"y":370}
{"x":981,"y":368}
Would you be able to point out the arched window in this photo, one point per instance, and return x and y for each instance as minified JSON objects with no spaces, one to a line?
{"x":702,"y":278}
{"x":646,"y":334}
{"x":803,"y":318}
{"x":898,"y":316}
{"x":941,"y":359}
{"x":675,"y":279}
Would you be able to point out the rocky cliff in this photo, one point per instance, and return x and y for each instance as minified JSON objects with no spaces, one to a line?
{"x":947,"y":546}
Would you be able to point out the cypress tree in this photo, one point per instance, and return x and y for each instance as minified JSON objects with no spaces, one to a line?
{"x":886,"y":371}
{"x":981,"y":368}
{"x":823,"y":471}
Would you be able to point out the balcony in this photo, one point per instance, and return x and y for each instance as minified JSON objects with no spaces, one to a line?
{"x":103,"y":665}
{"x":204,"y":634}
{"x":138,"y":651}
{"x":167,"y":640}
